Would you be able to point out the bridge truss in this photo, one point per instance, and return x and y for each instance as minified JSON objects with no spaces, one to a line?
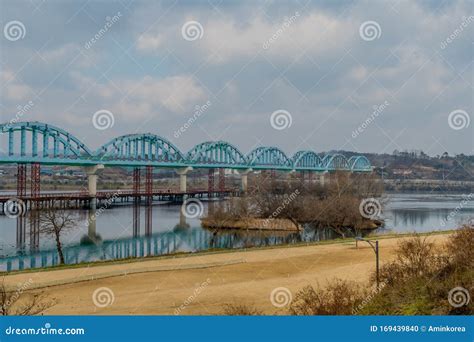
{"x":39,"y":143}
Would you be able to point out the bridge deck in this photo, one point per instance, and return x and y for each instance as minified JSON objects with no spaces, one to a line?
{"x":103,"y":195}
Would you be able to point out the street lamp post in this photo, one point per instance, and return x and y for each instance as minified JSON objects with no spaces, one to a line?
{"x":375,"y":246}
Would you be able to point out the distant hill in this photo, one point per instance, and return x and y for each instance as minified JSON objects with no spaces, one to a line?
{"x":418,"y":165}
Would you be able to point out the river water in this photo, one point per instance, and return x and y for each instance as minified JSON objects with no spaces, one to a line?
{"x":111,"y":236}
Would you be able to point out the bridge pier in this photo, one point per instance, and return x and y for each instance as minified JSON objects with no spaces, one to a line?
{"x":324,"y":178}
{"x":92,"y":176}
{"x":244,"y":179}
{"x":183,"y":177}
{"x":182,"y":221}
{"x":92,"y":224}
{"x":92,"y":237}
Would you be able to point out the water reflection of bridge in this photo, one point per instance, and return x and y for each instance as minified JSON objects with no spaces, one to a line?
{"x":181,"y":239}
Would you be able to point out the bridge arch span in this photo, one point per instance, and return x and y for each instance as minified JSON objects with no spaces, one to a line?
{"x":42,"y":142}
{"x":140,"y":147}
{"x":307,"y":160}
{"x":220,"y":153}
{"x":359,"y":163}
{"x":333,"y":162}
{"x":269,"y":156}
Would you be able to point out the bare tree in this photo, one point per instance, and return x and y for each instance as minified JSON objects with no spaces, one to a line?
{"x":17,"y":302}
{"x":339,"y":210}
{"x":335,"y":205}
{"x":55,"y":222}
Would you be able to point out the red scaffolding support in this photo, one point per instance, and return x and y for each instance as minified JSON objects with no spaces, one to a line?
{"x":149,"y":199}
{"x":136,"y":180}
{"x":149,"y":180}
{"x":21,"y":220}
{"x":210,"y":182}
{"x":221,"y":179}
{"x":136,"y":201}
{"x":21,"y":180}
{"x":34,"y":230}
{"x":35,"y":190}
{"x":35,"y":180}
{"x":20,"y":232}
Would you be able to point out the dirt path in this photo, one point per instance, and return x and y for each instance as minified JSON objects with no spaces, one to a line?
{"x":202,"y":284}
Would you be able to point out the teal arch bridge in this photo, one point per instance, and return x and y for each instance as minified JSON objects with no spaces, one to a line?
{"x":36,"y":144}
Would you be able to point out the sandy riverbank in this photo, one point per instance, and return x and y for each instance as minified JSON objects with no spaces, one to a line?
{"x":161,"y":286}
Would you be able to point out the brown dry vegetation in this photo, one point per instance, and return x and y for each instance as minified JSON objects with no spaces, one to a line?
{"x":241,"y":310}
{"x":338,"y":298}
{"x":417,"y":282}
{"x":18,"y":302}
{"x":335,"y":205}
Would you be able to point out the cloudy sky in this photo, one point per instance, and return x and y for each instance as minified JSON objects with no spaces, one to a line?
{"x":366,"y":76}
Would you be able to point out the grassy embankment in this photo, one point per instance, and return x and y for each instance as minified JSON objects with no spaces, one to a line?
{"x":218,"y":251}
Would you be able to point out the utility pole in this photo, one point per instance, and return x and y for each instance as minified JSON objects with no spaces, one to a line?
{"x":375,"y":246}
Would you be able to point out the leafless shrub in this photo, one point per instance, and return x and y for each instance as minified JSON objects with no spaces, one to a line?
{"x":460,"y":247}
{"x":418,"y":282}
{"x":338,"y":298}
{"x":241,"y":310}
{"x":416,"y":257}
{"x":421,"y":277}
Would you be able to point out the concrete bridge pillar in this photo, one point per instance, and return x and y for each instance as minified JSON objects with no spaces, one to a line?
{"x":244,"y":179}
{"x":92,"y":182}
{"x":91,"y":236}
{"x":182,"y":221}
{"x":324,"y":178}
{"x":92,"y":224}
{"x":290,"y":175}
{"x":182,"y":177}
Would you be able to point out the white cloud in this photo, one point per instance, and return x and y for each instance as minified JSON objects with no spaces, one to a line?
{"x":175,"y":93}
{"x":60,"y":53}
{"x":13,"y":88}
{"x":225,"y":39}
{"x":145,"y":97}
{"x":149,"y":42}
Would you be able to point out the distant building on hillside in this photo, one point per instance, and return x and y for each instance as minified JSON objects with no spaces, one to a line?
{"x":402,"y":172}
